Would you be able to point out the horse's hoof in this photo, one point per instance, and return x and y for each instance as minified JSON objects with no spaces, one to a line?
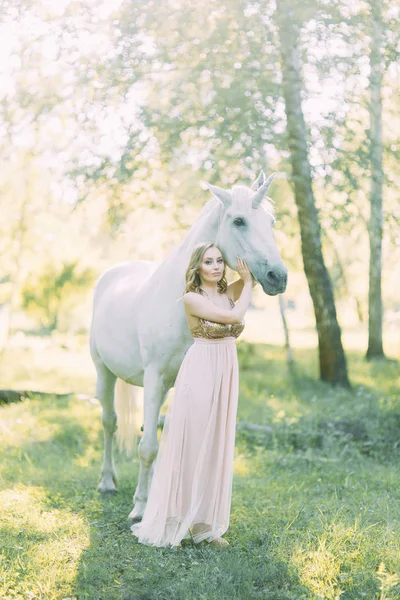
{"x":107,"y":485}
{"x":137,"y":512}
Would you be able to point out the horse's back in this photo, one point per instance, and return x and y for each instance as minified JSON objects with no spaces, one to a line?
{"x":132,"y":274}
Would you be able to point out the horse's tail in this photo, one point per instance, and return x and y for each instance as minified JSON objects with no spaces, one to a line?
{"x":129,"y":409}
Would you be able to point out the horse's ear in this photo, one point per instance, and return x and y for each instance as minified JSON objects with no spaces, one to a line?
{"x":223,"y":195}
{"x":260,"y":194}
{"x":258,"y":182}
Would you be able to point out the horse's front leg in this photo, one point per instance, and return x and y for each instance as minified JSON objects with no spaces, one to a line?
{"x":154,"y":395}
{"x":105,"y":394}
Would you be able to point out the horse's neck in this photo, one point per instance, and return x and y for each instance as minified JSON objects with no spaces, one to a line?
{"x":205,"y":229}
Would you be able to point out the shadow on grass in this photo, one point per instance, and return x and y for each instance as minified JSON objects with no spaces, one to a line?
{"x":113,"y":565}
{"x":116,"y":567}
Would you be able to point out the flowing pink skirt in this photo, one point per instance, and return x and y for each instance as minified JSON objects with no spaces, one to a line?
{"x":191,"y":489}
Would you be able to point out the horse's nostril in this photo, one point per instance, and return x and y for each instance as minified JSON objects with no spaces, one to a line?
{"x":272,"y":277}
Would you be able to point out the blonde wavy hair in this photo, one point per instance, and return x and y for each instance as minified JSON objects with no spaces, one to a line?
{"x":193,"y":280}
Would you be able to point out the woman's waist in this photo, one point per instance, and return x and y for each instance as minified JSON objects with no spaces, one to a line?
{"x":221,"y":340}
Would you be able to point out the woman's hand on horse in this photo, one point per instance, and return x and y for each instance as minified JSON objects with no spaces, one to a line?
{"x":243,"y":270}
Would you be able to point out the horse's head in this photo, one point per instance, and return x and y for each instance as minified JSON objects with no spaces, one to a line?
{"x":245,"y":230}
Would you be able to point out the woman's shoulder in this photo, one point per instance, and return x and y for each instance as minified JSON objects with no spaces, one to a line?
{"x":189,"y":297}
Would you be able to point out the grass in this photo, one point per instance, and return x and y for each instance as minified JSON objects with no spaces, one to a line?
{"x":315,"y":508}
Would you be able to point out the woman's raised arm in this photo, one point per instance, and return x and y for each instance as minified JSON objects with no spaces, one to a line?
{"x":200,"y":307}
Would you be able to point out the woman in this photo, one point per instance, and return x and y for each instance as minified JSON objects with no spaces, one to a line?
{"x":191,"y":488}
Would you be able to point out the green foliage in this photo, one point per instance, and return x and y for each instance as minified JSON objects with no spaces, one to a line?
{"x":162,"y":96}
{"x":46,"y":294}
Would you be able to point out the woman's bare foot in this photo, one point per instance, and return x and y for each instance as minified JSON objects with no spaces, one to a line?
{"x":198,"y":529}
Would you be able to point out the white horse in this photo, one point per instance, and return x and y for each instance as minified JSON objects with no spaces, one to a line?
{"x":139,"y":331}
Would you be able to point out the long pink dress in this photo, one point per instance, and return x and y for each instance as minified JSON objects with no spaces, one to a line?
{"x":191,"y":489}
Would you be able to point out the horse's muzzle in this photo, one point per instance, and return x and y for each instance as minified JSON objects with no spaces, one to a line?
{"x":274,"y":282}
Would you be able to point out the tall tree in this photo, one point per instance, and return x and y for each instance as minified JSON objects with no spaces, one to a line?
{"x":375,"y":344}
{"x":332,"y":360}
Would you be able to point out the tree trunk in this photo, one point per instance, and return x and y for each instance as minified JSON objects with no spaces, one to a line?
{"x":289,"y":351}
{"x":375,"y":345}
{"x":344,"y":279}
{"x":359,"y":309}
{"x":332,"y":360}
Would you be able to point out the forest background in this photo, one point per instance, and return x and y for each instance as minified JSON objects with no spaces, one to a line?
{"x":114,"y":114}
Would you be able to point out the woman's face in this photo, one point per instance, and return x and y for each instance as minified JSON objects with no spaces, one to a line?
{"x":212,"y":266}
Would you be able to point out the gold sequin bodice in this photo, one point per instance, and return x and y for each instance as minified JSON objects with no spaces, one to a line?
{"x":214,"y":331}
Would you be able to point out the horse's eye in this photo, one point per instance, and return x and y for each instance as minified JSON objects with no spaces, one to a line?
{"x":239,"y":222}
